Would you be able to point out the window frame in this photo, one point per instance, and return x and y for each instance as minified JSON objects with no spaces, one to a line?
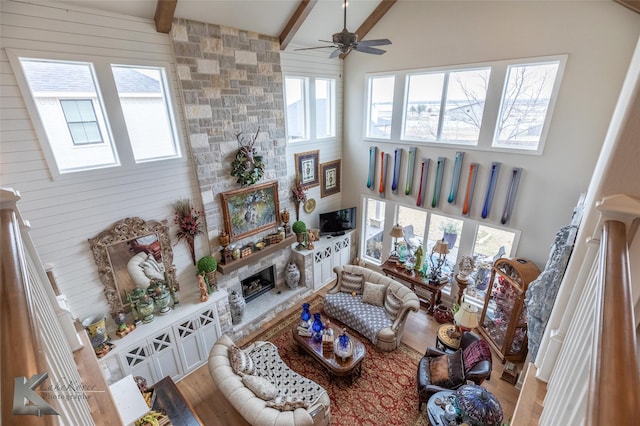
{"x":493,"y":103}
{"x":112,"y":110}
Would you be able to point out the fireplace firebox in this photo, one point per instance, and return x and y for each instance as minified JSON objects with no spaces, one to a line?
{"x":258,"y":284}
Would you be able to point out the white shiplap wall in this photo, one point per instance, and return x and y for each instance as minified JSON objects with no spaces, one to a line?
{"x":67,"y":211}
{"x":316,"y":63}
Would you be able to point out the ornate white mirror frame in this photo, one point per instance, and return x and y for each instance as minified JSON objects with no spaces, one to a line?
{"x":123,"y":232}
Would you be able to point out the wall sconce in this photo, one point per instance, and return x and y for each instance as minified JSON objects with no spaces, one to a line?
{"x":442,"y":249}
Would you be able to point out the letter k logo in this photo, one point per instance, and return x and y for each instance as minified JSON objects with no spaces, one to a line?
{"x":23,"y":394}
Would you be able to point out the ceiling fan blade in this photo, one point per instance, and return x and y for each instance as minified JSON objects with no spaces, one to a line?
{"x":367,"y":49}
{"x":312,"y":48}
{"x":335,"y":54}
{"x":378,"y":42}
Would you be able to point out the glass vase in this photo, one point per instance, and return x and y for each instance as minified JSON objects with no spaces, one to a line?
{"x":305,"y":315}
{"x":317,"y":327}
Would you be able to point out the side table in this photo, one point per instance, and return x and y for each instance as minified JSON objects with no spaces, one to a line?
{"x":445,"y":341}
{"x":436,"y":408}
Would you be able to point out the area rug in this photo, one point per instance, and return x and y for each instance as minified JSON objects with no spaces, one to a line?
{"x":384,"y":394}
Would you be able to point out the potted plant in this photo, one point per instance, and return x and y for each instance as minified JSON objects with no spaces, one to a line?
{"x":300,"y":229}
{"x":208,"y":264}
{"x":451,"y":230}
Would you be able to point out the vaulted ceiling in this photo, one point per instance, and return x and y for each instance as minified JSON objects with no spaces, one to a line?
{"x":296,"y":22}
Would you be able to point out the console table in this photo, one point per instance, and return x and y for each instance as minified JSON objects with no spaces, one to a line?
{"x":416,"y":283}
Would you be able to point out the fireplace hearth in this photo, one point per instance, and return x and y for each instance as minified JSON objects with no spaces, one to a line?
{"x":258,"y":284}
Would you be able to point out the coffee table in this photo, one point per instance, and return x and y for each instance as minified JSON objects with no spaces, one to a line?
{"x":335,"y":366}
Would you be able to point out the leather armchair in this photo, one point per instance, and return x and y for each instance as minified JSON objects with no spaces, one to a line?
{"x":478,"y":373}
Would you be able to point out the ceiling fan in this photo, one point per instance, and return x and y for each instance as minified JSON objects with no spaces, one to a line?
{"x":345,"y":41}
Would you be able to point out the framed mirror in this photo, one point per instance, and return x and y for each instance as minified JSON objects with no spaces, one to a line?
{"x":133,"y":253}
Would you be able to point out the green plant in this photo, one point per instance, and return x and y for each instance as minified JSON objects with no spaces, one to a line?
{"x":299,"y":227}
{"x":207,"y":264}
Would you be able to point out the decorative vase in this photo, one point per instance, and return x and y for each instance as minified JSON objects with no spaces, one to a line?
{"x":237,"y":305}
{"x":145,"y":309}
{"x":443,"y":314}
{"x":342,"y":347}
{"x":305,"y":315}
{"x":163,"y":301}
{"x":482,"y":279}
{"x":317,"y":327}
{"x":292,"y":275}
{"x":450,"y":239}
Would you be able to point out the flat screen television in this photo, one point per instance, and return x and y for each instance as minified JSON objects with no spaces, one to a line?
{"x":338,"y":222}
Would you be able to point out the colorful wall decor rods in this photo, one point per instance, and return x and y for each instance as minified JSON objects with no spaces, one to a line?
{"x":384,"y":161}
{"x":455,"y":181}
{"x":411,"y":165}
{"x":491,"y":189}
{"x":422,"y":192}
{"x":511,"y":195}
{"x":471,"y":185}
{"x":437,"y":186}
{"x":397,"y":158}
{"x":372,"y":167}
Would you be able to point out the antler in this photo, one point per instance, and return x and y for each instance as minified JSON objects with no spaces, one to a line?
{"x":247,"y":145}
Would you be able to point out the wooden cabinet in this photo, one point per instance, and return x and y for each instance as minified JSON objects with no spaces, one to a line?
{"x":504,"y":319}
{"x":327,"y":254}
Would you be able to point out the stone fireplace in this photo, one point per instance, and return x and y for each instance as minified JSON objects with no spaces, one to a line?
{"x":258,"y":283}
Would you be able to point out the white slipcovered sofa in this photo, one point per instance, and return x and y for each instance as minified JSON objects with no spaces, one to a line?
{"x":371,"y":303}
{"x":263,"y":389}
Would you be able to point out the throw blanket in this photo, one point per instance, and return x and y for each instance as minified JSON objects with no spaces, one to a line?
{"x":268,"y":364}
{"x":366,"y":319}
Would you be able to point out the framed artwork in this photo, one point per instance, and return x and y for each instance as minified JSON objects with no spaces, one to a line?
{"x":330,"y":178}
{"x":249,"y":210}
{"x":307,"y":168}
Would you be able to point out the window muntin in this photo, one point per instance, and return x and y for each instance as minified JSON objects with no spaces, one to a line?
{"x":51,"y":81}
{"x":380,"y":90}
{"x":147,"y":112}
{"x":81,"y":121}
{"x":525,"y":101}
{"x":296,"y":100}
{"x":325,"y":107}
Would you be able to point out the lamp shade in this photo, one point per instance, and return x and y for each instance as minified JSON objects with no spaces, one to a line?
{"x":396,"y":232}
{"x":467,"y":316}
{"x":441,"y":247}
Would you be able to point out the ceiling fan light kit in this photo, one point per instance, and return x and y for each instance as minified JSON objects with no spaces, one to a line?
{"x":345,"y":41}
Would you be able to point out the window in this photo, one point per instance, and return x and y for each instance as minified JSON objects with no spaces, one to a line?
{"x":493,"y":106}
{"x":380,"y":102}
{"x":311,"y":108}
{"x":81,"y":120}
{"x":80,"y":129}
{"x":374,"y":229}
{"x":525,"y":101}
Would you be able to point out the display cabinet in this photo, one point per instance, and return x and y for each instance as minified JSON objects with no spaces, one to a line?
{"x":504,"y":318}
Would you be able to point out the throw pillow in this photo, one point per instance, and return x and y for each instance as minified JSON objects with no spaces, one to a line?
{"x":351,"y":283}
{"x":373,"y":294}
{"x":287,"y":403}
{"x":392,"y":304}
{"x":263,"y":388}
{"x":447,"y":370}
{"x":474,"y":353}
{"x":241,"y":362}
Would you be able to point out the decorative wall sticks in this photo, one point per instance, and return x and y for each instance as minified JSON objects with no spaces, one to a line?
{"x":495,"y":170}
{"x":397,"y":158}
{"x":411,"y":164}
{"x":455,"y":181}
{"x":384,"y":161}
{"x":511,"y":194}
{"x":471,"y":185}
{"x":437,"y":187}
{"x":422,"y":193}
{"x":372,"y":167}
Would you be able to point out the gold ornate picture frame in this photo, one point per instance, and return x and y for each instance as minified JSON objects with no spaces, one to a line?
{"x":249,"y":210}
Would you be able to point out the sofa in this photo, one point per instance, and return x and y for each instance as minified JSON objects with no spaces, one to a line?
{"x":371,"y":303}
{"x":263,"y":389}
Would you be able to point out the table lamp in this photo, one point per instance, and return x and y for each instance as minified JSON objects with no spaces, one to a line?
{"x":442,"y":248}
{"x":467,"y":317}
{"x":396,"y":232}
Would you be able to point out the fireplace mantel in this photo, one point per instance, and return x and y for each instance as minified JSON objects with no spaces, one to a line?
{"x":256,"y":255}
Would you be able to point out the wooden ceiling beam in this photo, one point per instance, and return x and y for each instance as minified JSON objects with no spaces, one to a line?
{"x":164,"y":15}
{"x":296,"y":20}
{"x":372,"y":20}
{"x":631,"y":4}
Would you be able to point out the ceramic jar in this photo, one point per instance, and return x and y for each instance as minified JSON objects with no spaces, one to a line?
{"x":443,"y":314}
{"x":292,"y":275}
{"x":236,"y":305}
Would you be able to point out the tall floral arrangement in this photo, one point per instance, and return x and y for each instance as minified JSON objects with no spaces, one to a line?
{"x":298,"y":195}
{"x":189,"y":221}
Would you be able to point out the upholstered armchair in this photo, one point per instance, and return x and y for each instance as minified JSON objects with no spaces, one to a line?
{"x":438,"y":370}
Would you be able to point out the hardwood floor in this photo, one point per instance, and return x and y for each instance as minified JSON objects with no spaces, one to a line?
{"x":420,"y":332}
